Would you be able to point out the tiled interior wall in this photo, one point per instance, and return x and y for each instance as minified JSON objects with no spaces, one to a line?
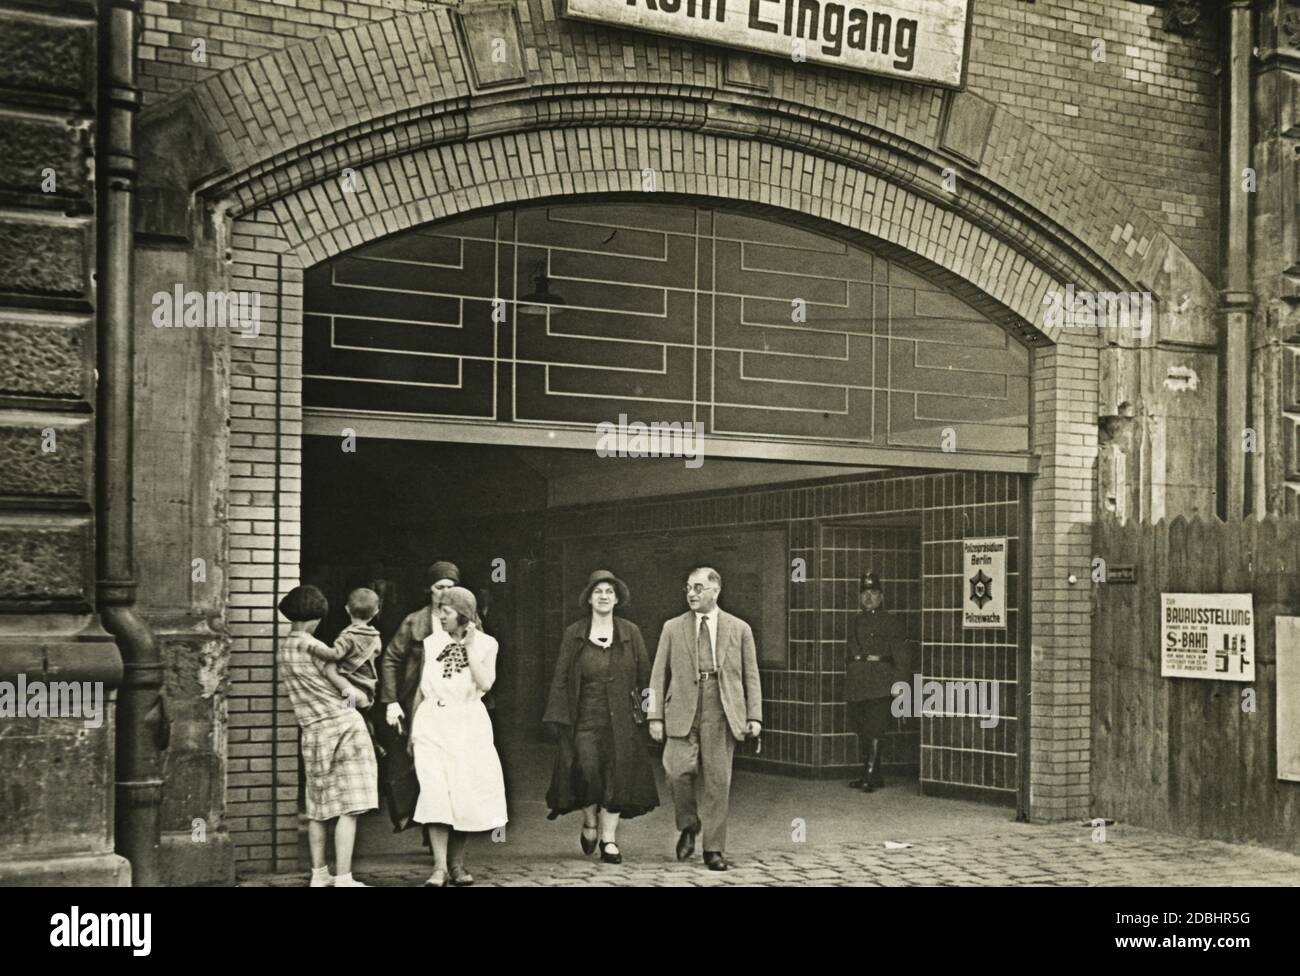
{"x":955,"y":750}
{"x":805,"y":732}
{"x":848,"y":551}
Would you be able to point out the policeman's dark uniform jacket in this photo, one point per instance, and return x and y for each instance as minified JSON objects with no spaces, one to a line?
{"x":877,"y":655}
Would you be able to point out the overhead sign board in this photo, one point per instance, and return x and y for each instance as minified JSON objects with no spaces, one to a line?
{"x":915,"y":40}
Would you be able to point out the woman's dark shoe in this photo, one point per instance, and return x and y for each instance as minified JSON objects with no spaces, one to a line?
{"x":588,"y":845}
{"x":608,"y":856}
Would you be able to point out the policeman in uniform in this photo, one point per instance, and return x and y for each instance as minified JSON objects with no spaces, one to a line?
{"x":877,"y":657}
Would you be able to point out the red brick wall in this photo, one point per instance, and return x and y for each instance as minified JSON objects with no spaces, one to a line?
{"x":1147,"y":117}
{"x":239,"y":30}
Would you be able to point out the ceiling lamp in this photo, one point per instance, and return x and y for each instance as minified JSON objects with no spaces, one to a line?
{"x":537,"y":301}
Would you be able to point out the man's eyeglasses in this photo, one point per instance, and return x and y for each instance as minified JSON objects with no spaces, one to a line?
{"x":700,"y":587}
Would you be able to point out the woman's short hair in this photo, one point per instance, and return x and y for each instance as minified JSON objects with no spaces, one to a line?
{"x":461,"y":619}
{"x":304,"y":603}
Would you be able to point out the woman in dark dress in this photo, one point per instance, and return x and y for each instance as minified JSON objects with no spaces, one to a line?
{"x":597,"y":709}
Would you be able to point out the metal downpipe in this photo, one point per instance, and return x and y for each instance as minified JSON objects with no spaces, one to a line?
{"x":141,"y":726}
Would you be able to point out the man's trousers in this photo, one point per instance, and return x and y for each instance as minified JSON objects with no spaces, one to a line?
{"x":703,"y":755}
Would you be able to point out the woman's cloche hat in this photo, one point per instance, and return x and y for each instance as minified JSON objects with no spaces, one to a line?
{"x":605,"y":576}
{"x":442,"y":570}
{"x":462,"y":601}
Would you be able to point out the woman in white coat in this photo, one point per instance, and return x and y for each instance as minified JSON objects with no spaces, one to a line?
{"x":462,"y":791}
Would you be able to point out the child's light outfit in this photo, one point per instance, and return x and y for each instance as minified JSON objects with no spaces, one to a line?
{"x":360,"y":644}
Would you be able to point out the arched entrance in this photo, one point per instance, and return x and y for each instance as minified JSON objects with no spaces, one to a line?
{"x":476,"y":360}
{"x":274,"y":187}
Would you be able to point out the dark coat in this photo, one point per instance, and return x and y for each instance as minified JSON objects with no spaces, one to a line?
{"x":402,"y":664}
{"x":400,"y":669}
{"x":878,"y":634}
{"x":634,"y":790}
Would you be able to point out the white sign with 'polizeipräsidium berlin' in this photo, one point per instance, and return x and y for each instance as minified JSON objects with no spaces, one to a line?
{"x":984,"y":584}
{"x":916,"y":40}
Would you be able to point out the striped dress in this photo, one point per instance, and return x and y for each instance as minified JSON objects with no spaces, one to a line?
{"x":338,"y":759}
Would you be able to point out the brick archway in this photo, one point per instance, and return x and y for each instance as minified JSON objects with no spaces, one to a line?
{"x":419,"y":102}
{"x":428,"y":131}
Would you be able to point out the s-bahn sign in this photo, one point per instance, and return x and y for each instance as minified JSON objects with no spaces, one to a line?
{"x":917,"y":40}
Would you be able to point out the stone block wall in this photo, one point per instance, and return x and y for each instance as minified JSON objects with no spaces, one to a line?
{"x":56,"y":805}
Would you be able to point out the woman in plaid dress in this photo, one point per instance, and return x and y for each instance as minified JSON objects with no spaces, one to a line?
{"x":338,"y":758}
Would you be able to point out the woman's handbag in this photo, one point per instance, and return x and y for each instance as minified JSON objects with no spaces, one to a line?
{"x":400,"y":783}
{"x":638,"y":713}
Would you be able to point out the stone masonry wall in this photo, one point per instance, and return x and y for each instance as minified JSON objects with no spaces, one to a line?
{"x":57,"y":797}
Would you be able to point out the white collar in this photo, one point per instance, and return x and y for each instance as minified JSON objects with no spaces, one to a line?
{"x":711,"y":615}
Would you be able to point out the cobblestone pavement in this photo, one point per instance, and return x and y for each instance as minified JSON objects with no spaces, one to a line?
{"x":1020,"y":855}
{"x":848,"y":841}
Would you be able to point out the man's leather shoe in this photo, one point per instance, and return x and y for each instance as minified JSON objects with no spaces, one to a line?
{"x":714,"y":861}
{"x":685,"y":845}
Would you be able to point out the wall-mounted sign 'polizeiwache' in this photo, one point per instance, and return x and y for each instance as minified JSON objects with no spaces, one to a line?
{"x":984,"y":584}
{"x":917,"y":40}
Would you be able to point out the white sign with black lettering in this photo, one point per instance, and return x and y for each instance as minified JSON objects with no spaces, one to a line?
{"x":984,"y":563}
{"x":916,"y":40}
{"x":1207,"y":635}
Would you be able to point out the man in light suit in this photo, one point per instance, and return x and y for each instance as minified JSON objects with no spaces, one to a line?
{"x":705,"y":695}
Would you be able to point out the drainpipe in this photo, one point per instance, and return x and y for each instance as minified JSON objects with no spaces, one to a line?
{"x":141,"y":726}
{"x":1235,"y":300}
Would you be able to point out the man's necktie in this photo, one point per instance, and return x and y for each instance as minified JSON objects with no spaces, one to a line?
{"x":704,"y":646}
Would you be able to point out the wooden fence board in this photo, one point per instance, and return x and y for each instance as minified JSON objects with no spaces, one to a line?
{"x":1180,"y":753}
